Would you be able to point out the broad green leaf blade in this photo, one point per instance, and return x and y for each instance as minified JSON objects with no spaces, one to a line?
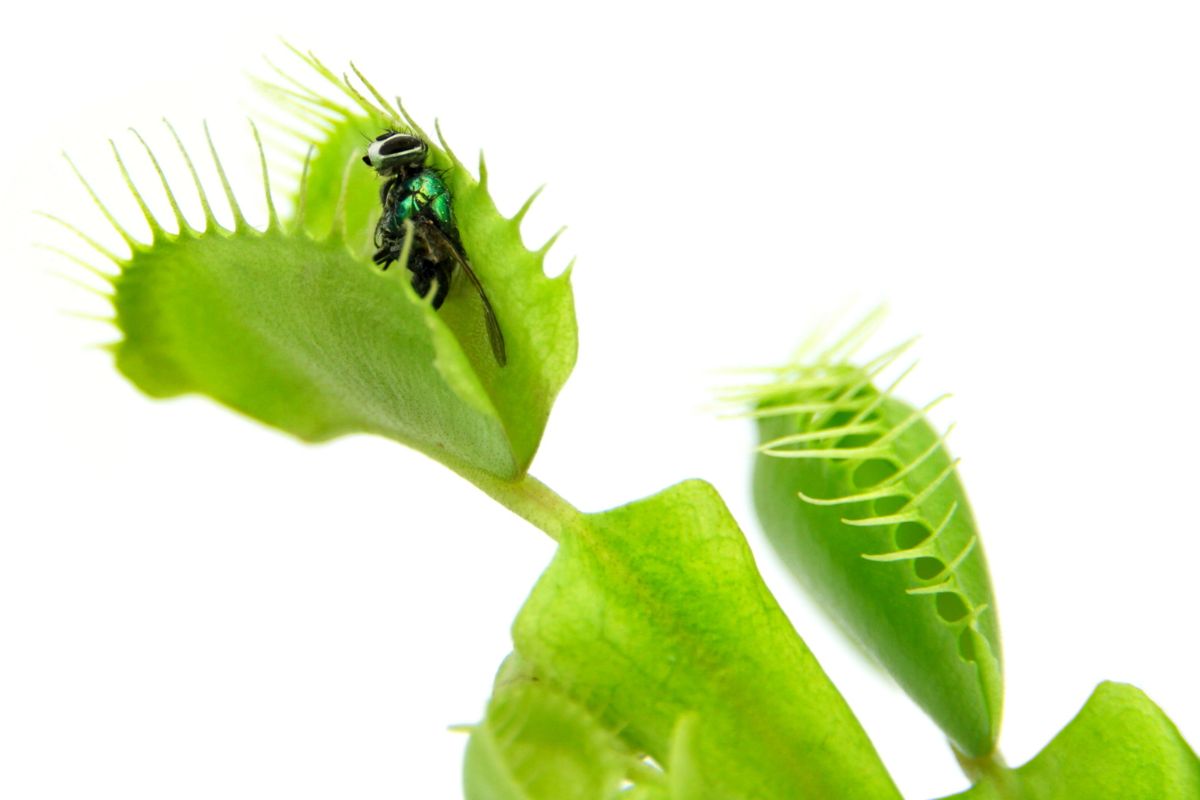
{"x":655,"y":612}
{"x":536,"y":743}
{"x":1121,"y":746}
{"x":857,"y":492}
{"x":536,"y":313}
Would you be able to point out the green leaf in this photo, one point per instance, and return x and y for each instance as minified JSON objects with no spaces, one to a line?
{"x":1121,"y":746}
{"x":655,"y":613}
{"x":536,"y":743}
{"x":295,"y":327}
{"x":857,"y":492}
{"x":691,"y":777}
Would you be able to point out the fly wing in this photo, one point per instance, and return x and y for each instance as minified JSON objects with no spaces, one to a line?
{"x":495,"y":337}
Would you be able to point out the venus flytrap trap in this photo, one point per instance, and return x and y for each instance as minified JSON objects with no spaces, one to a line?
{"x":286,"y":326}
{"x":859,"y":495}
{"x":537,"y":741}
{"x":650,"y":661}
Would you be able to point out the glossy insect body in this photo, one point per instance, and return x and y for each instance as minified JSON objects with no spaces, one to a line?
{"x":418,"y":194}
{"x":423,"y":200}
{"x":424,"y":193}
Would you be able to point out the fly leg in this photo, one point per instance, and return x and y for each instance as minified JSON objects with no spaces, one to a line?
{"x":442,"y":273}
{"x":423,"y":274}
{"x":384,"y":257}
{"x":386,"y":189}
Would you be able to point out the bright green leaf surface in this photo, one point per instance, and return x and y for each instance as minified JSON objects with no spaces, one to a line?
{"x":295,"y":327}
{"x":860,"y":497}
{"x":535,"y":743}
{"x":1121,"y":746}
{"x":299,"y":335}
{"x":691,"y":777}
{"x":654,"y":613}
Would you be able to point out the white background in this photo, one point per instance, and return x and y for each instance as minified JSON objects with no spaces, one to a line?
{"x":194,"y":606}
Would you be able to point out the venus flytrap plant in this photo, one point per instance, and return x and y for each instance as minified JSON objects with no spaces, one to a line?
{"x":293,"y":326}
{"x":650,"y":661}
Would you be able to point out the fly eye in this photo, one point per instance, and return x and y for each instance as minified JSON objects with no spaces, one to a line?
{"x":367,"y":161}
{"x":398,"y":144}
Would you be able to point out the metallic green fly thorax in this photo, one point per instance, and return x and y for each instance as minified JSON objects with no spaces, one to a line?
{"x":424,"y":196}
{"x":424,"y":193}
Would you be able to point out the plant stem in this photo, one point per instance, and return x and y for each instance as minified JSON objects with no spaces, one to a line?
{"x":990,"y":771}
{"x":529,"y":499}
